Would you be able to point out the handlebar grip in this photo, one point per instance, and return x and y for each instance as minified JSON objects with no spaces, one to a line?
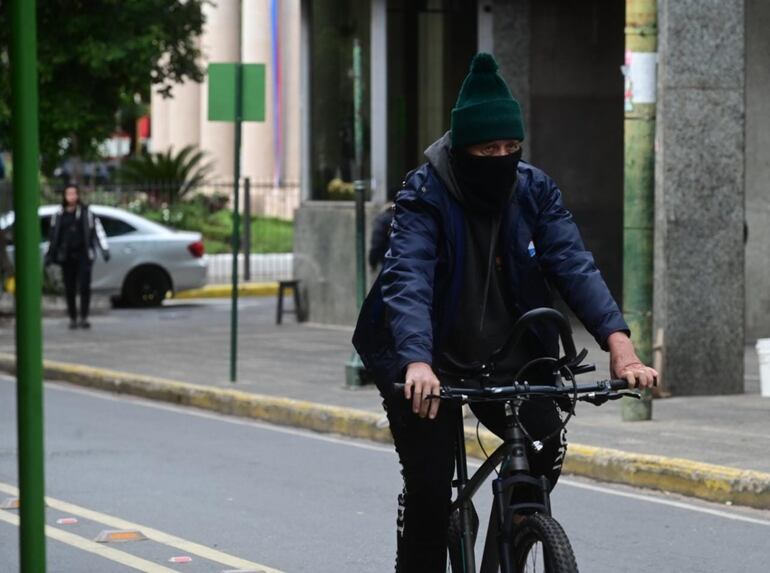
{"x":616,"y":384}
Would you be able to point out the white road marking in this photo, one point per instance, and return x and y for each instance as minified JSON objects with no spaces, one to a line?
{"x":89,"y":546}
{"x":154,"y":534}
{"x":663,"y":501}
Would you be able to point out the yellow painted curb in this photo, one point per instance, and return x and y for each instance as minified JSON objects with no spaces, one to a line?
{"x":705,"y":481}
{"x":225,"y":291}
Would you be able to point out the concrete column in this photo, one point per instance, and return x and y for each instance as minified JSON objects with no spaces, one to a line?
{"x":757,"y":169}
{"x":219,"y":44}
{"x":159,"y":122}
{"x":485,"y":26}
{"x":511,"y":34}
{"x":258,"y":158}
{"x":306,"y":188}
{"x":378,"y":74}
{"x":292,"y":92}
{"x":183,"y":112}
{"x":699,"y":286}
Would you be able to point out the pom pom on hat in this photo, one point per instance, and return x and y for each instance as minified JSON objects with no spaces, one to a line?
{"x":484,"y":63}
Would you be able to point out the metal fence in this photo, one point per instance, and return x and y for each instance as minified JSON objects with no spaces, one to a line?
{"x":267,"y":219}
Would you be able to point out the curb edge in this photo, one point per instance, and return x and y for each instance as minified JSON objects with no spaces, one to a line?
{"x":695,"y":479}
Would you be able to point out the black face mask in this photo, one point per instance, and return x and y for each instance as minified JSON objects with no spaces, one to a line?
{"x":486,"y":183}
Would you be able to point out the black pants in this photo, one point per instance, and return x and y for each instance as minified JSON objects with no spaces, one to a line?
{"x":426,"y":449}
{"x":76,"y":273}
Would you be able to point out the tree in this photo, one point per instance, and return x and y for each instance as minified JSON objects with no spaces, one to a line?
{"x":94,"y":57}
{"x":167,"y":173}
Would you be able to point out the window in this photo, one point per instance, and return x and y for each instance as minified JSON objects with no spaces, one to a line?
{"x":45,"y":229}
{"x":115,"y":227}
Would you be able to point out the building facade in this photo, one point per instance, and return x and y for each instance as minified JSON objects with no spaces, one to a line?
{"x":563,"y":61}
{"x":251,"y":31}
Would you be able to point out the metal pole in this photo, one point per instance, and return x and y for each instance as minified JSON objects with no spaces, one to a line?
{"x":358,"y":117}
{"x":29,"y":359}
{"x":355,"y":374}
{"x":639,"y":185}
{"x":236,"y":223}
{"x":360,"y":189}
{"x":247,"y":229}
{"x":359,"y":186}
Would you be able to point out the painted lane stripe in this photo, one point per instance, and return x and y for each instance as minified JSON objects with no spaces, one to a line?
{"x":347,"y":442}
{"x":668,"y":502}
{"x":153,"y":534}
{"x":89,"y":546}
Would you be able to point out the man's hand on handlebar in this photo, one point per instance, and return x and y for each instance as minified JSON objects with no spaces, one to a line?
{"x":420,"y":383}
{"x":625,"y":364}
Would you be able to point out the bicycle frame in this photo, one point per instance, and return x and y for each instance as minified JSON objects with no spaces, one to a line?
{"x":512,"y":453}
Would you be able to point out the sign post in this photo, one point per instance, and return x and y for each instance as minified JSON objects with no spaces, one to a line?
{"x":236,"y":94}
{"x":29,"y":350}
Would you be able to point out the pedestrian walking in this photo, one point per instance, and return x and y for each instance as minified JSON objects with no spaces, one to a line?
{"x":478,"y":238}
{"x":75,"y":235}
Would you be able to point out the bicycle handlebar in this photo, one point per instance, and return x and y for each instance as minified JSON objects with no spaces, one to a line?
{"x":536,"y":315}
{"x":524,"y":389}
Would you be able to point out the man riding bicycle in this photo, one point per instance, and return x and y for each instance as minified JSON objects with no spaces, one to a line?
{"x":478,"y":238}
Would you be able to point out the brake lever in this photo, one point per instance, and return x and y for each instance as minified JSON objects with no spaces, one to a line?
{"x":599,"y":398}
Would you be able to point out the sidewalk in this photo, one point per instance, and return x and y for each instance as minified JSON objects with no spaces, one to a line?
{"x":189,"y":341}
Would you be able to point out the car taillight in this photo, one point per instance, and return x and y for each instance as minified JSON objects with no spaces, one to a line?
{"x":196,"y":249}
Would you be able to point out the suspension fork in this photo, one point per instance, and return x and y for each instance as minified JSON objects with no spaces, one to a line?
{"x":466,"y":508}
{"x":497,"y":547}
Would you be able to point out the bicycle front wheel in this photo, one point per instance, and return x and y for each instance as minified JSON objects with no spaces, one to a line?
{"x":541,"y":546}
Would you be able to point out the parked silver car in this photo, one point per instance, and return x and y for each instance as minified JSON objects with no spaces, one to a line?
{"x":147,"y":259}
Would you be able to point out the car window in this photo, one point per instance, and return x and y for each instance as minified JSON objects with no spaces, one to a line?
{"x":8,"y":232}
{"x":45,"y":228}
{"x":115,"y":227}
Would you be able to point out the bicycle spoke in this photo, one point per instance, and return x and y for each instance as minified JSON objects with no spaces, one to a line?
{"x":535,"y":561}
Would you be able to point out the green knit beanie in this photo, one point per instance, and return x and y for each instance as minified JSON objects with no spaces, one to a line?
{"x":485,"y":109}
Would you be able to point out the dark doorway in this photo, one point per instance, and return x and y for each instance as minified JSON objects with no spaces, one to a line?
{"x":576,"y":131}
{"x":430,"y":44}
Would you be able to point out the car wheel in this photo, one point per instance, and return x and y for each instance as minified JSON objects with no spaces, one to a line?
{"x":146,"y":287}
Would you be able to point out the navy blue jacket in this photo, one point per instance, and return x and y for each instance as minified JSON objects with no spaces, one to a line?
{"x":413,"y":300}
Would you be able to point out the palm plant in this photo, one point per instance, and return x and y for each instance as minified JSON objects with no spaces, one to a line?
{"x":175,"y":173}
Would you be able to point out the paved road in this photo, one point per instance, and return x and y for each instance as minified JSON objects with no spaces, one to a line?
{"x":190,"y":341}
{"x":297,"y":501}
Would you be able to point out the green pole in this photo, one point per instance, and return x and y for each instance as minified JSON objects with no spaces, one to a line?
{"x":355,"y":374}
{"x":360,"y":190}
{"x":639,"y":185}
{"x":236,"y":222}
{"x":358,"y":114}
{"x":29,"y":367}
{"x":359,"y":186}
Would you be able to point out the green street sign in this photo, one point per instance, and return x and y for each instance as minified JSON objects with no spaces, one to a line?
{"x":222,"y":80}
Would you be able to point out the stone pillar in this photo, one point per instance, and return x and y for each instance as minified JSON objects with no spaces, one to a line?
{"x":485,"y":26}
{"x":258,"y":151}
{"x":183,"y":111}
{"x":219,"y":44}
{"x":292,"y":91}
{"x":757,"y":169}
{"x":306,"y":189}
{"x":378,"y":74}
{"x":159,"y":121}
{"x":511,"y":33}
{"x":699,"y":282}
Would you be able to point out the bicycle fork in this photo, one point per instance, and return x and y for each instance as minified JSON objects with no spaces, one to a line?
{"x":467,"y":535}
{"x":514,"y":472}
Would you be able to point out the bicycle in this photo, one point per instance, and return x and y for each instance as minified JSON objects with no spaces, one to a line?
{"x":521,"y":527}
